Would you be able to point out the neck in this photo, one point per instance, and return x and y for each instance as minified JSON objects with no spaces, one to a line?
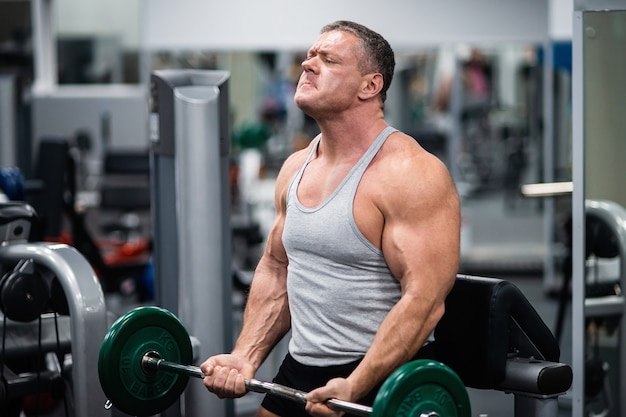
{"x":350,"y":135}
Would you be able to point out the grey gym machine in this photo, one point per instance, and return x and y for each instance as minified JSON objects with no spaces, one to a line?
{"x":87,"y":320}
{"x":189,"y":131}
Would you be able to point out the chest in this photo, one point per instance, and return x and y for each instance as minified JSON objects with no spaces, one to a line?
{"x":319,"y":183}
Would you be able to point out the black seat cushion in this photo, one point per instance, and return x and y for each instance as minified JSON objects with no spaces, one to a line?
{"x":486,"y":322}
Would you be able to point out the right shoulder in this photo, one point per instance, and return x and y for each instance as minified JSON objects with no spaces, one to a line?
{"x":289,"y":169}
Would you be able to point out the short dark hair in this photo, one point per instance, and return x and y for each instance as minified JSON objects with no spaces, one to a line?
{"x":379,"y":55}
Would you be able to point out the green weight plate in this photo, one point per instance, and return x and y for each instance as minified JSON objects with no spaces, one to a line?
{"x":126,"y":385}
{"x":422,"y":387}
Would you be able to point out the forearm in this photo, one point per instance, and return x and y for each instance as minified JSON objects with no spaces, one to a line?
{"x":403,"y":332}
{"x":266,"y":318}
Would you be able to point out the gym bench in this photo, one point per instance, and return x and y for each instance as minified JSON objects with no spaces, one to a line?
{"x":493,"y":338}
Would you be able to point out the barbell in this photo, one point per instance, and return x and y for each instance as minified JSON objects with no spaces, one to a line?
{"x":144,"y":366}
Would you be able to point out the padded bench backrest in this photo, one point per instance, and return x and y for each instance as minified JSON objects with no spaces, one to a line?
{"x":488,"y":320}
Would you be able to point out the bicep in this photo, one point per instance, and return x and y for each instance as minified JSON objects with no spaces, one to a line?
{"x":421,"y":237}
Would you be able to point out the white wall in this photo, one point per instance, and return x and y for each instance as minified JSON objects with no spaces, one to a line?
{"x":290,"y":24}
{"x":120,"y":18}
{"x":246,"y":24}
{"x":561,"y":18}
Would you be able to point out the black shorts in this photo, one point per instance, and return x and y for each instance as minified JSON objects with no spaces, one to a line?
{"x":306,"y":378}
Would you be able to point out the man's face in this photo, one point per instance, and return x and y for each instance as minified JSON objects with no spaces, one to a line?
{"x":331,"y":78}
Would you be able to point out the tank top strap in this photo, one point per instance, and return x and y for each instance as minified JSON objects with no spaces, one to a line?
{"x":374,"y":148}
{"x":296,"y":179}
{"x":356,"y":172}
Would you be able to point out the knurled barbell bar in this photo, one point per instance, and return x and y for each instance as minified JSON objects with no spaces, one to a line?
{"x":144,"y":360}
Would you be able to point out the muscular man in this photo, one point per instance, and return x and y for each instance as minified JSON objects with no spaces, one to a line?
{"x":364,"y":247}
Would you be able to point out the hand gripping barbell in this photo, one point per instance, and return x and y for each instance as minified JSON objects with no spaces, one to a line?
{"x":144,"y":360}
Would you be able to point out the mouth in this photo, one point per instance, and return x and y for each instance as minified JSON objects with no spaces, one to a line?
{"x":305,"y":85}
{"x":304,"y":81}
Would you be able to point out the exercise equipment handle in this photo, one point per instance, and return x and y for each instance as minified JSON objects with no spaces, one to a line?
{"x":151,"y":364}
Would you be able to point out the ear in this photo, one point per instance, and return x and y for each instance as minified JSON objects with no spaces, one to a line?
{"x":371,"y":86}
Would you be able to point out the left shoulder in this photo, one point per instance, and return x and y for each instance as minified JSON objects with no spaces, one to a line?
{"x":402,"y":157}
{"x":404,"y":178}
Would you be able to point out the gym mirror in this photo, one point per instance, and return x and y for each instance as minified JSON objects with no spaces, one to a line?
{"x":599,"y":142}
{"x":96,"y":43}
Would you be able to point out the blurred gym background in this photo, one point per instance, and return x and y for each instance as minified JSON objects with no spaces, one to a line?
{"x":487,"y":87}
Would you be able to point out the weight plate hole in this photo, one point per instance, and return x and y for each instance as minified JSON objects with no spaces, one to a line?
{"x":148,"y":366}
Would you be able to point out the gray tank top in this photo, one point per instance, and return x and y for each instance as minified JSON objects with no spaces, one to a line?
{"x":339,"y":286}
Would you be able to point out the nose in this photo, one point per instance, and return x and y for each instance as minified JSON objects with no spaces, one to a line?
{"x":307,"y":64}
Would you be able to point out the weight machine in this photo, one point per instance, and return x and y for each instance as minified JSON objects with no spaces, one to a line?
{"x":79,"y":333}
